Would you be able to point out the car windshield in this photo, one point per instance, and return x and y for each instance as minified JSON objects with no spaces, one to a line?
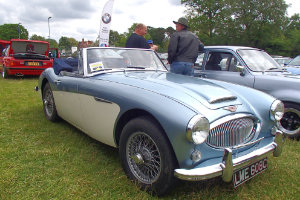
{"x":112,"y":59}
{"x":295,"y":61}
{"x":258,"y":60}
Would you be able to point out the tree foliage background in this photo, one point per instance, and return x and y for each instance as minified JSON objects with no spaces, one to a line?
{"x":13,"y":31}
{"x":258,"y":23}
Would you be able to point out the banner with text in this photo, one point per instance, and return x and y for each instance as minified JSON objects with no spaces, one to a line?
{"x":105,"y":24}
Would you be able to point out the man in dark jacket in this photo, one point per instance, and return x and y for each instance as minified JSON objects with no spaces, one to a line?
{"x":137,"y":40}
{"x":183,"y":49}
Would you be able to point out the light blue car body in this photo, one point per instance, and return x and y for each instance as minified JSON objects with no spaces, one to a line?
{"x":172,"y":100}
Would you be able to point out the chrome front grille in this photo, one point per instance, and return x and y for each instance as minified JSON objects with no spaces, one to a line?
{"x":232,"y":132}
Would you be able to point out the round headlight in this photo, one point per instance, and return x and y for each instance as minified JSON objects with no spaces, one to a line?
{"x":198,"y":129}
{"x":277,"y":110}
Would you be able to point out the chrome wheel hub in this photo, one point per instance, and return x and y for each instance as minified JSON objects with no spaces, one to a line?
{"x":137,"y":158}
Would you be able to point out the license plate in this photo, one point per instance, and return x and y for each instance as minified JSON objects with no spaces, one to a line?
{"x":33,"y":63}
{"x":245,"y":174}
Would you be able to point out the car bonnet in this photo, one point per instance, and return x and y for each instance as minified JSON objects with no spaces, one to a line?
{"x":184,"y":89}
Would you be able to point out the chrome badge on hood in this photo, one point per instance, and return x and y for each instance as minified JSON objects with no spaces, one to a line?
{"x":231,"y":108}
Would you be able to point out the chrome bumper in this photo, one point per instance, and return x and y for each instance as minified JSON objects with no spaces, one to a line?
{"x":229,"y":165}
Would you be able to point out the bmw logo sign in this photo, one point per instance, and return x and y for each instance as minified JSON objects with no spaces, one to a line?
{"x":106,"y":18}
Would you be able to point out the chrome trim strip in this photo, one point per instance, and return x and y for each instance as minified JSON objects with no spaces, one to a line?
{"x":230,"y":117}
{"x":102,"y":100}
{"x":229,"y":165}
{"x":221,"y":99}
{"x":248,"y":144}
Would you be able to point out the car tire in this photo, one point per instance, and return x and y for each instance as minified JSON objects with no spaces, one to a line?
{"x":147,"y":156}
{"x":49,"y":104}
{"x":4,"y":73}
{"x":290,"y":122}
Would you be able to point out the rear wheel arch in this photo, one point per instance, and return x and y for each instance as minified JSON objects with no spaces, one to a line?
{"x":44,"y":82}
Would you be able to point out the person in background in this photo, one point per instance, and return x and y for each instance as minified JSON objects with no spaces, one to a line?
{"x":183,"y":49}
{"x":137,"y":40}
{"x":150,"y":42}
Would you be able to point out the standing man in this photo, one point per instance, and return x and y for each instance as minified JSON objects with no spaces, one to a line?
{"x":137,"y":40}
{"x":183,"y":49}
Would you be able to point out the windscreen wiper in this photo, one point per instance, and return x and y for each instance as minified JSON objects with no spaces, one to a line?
{"x":274,"y":69}
{"x":136,"y":67}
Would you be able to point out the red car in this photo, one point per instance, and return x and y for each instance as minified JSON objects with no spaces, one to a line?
{"x":25,"y":57}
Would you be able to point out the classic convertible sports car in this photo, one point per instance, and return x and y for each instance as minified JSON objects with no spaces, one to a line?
{"x":257,"y":69}
{"x":165,"y":125}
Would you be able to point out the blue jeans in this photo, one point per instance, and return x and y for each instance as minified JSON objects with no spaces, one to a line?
{"x":184,"y":68}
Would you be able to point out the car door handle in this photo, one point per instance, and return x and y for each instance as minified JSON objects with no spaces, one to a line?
{"x":57,"y":82}
{"x":102,"y":100}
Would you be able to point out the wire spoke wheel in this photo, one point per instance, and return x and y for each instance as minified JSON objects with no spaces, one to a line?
{"x":143,"y":157}
{"x":147,"y":156}
{"x":49,"y":104}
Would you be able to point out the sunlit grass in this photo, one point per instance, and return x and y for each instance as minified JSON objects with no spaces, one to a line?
{"x":44,"y":160}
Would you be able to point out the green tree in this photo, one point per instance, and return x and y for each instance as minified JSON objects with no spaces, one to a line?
{"x":259,"y":21}
{"x":65,"y":43}
{"x":52,"y":43}
{"x":13,"y":31}
{"x":73,"y":42}
{"x":114,"y":37}
{"x":37,"y":37}
{"x":122,"y":40}
{"x":239,"y":22}
{"x":157,"y":35}
{"x":207,"y":17}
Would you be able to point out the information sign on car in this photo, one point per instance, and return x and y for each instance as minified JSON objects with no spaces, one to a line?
{"x":245,"y":174}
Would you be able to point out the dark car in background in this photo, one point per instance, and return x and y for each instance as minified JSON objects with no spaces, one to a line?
{"x":25,"y":57}
{"x":255,"y":68}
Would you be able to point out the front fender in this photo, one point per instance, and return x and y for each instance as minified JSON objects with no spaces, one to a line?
{"x":287,"y":94}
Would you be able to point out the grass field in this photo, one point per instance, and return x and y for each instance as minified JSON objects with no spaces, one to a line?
{"x":44,"y":160}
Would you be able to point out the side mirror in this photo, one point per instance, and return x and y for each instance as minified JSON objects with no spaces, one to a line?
{"x":241,"y":69}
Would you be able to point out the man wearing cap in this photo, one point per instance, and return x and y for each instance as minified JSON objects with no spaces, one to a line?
{"x":183,"y":49}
